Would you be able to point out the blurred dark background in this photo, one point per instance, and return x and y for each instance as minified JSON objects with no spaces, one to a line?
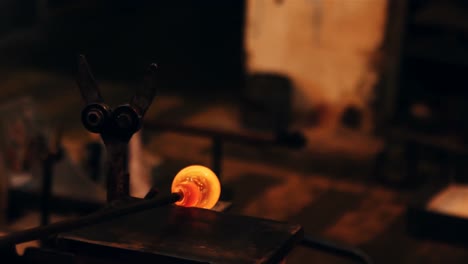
{"x":197,"y":45}
{"x":377,"y":88}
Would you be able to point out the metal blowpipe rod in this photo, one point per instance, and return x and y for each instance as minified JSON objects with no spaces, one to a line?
{"x":44,"y":231}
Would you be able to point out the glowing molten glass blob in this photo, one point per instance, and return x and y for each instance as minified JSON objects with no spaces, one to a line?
{"x":198,"y":185}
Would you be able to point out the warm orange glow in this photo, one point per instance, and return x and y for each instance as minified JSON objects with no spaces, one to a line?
{"x":198,"y":185}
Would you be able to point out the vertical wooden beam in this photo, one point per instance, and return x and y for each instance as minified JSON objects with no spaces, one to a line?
{"x":392,"y":46}
{"x":3,"y":191}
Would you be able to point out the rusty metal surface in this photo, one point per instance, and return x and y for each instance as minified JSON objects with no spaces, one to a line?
{"x":187,"y":233}
{"x":118,"y":178}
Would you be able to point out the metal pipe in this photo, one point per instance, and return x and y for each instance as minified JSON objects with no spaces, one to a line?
{"x":64,"y":226}
{"x":336,"y":249}
{"x":217,"y":156}
{"x":244,"y":138}
{"x":118,"y":178}
{"x":47,"y":165}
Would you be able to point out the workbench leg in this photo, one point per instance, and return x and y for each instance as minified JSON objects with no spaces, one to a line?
{"x":217,"y":159}
{"x":217,"y":156}
{"x":46,"y":191}
{"x":412,"y":156}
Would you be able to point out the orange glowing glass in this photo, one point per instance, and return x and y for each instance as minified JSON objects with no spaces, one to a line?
{"x":198,"y":185}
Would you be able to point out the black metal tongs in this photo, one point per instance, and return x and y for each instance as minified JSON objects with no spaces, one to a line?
{"x":115,"y":125}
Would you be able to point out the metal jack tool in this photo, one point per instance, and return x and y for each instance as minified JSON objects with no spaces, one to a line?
{"x":116,"y":126}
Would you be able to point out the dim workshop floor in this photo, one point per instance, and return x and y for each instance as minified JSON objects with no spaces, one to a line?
{"x":327,"y":187}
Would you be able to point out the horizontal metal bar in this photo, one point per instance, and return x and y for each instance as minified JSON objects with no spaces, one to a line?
{"x":68,"y":225}
{"x":223,"y":135}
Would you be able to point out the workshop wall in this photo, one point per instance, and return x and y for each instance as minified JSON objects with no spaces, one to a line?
{"x":326,"y":47}
{"x":16,"y":14}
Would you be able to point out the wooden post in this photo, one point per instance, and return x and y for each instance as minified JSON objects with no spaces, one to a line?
{"x":3,"y":192}
{"x":387,"y":88}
